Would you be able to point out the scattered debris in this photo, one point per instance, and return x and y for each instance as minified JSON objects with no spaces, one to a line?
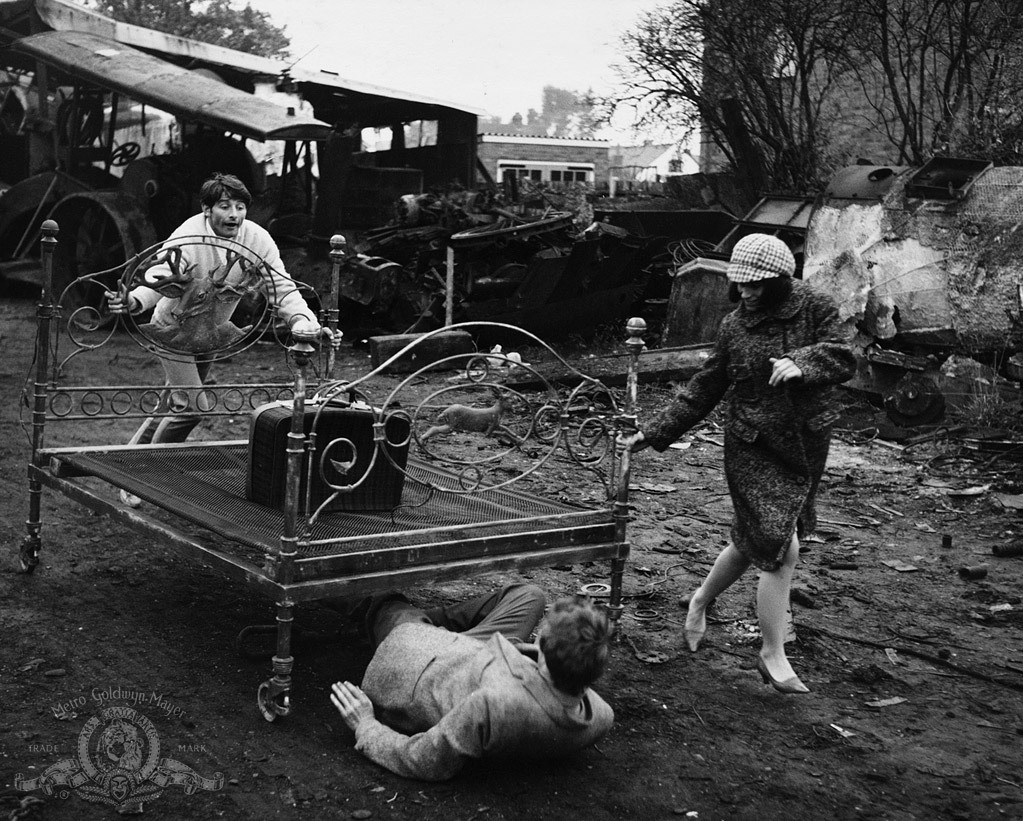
{"x":526,"y":264}
{"x":974,"y":572}
{"x":1005,"y":551}
{"x":942,"y":659}
{"x":802,"y":598}
{"x":979,"y":490}
{"x":901,"y":566}
{"x":653,"y":487}
{"x":885,"y":509}
{"x":886,"y":702}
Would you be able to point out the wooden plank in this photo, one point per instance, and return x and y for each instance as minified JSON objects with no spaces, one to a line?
{"x":656,"y":365}
{"x":437,"y":347}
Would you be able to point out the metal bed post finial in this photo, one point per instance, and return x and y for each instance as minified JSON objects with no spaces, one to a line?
{"x":48,"y":244}
{"x":338,"y":255}
{"x":635,"y":328}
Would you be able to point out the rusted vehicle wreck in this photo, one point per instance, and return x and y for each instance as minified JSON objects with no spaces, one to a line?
{"x":925,"y":262}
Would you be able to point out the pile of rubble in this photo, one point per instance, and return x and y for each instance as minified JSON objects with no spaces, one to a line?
{"x":530,"y":264}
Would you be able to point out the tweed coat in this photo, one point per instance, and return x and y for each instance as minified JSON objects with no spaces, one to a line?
{"x":449,"y":698}
{"x":776,"y":438}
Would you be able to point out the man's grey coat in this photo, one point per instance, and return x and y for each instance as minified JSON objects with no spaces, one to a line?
{"x":450,"y":698}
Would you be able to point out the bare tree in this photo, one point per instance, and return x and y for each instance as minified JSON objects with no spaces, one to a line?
{"x":944,"y":76}
{"x":786,"y":90}
{"x":753,"y":74}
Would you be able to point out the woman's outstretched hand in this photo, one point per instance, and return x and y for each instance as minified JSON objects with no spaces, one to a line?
{"x":634,"y":442}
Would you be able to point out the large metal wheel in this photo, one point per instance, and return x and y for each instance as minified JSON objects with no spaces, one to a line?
{"x":915,"y":400}
{"x":99,"y":231}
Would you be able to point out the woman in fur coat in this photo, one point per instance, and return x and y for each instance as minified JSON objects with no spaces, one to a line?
{"x":775,"y":364}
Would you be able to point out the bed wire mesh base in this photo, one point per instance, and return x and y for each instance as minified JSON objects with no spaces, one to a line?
{"x":206,"y":486}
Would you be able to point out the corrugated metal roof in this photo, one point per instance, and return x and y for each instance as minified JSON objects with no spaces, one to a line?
{"x":528,"y":139}
{"x":186,"y":94}
{"x":66,"y":16}
{"x":61,"y":15}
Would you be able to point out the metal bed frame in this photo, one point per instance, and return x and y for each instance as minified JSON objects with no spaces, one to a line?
{"x":457,"y":517}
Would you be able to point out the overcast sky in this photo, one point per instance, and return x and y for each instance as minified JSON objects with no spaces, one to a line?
{"x":493,"y":55}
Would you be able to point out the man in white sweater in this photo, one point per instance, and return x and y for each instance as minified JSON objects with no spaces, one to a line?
{"x":197,"y":247}
{"x":456,"y":683}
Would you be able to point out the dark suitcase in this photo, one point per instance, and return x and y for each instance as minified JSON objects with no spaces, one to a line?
{"x":268,"y":458}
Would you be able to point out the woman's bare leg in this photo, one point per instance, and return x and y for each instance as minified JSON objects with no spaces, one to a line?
{"x":772,"y":609}
{"x":728,"y":567}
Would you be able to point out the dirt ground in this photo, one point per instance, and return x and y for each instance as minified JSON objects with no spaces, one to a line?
{"x":916,"y":673}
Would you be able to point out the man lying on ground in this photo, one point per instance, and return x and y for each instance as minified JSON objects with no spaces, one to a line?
{"x":457,"y":683}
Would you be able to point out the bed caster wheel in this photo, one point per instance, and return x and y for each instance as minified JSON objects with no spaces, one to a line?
{"x":270,"y":705}
{"x":28,"y":559}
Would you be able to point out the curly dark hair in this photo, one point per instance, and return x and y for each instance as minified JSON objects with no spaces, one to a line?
{"x":219,"y":186}
{"x":776,"y":291}
{"x":575,"y":643}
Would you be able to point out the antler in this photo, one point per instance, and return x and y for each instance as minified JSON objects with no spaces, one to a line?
{"x":176,"y":282}
{"x":251,"y":277}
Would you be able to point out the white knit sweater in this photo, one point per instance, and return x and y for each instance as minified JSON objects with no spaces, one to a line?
{"x":211,"y":258}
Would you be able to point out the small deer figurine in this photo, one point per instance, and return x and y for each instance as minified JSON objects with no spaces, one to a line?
{"x":467,"y":419}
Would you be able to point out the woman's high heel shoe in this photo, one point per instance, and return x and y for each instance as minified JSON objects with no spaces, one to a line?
{"x":791,"y":685}
{"x":693,"y":638}
{"x":694,"y":634}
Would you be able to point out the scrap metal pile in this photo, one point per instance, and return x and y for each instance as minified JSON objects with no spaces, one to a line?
{"x":542,"y":265}
{"x":925,"y":266}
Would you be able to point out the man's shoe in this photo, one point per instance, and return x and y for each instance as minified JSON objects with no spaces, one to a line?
{"x":130,"y":499}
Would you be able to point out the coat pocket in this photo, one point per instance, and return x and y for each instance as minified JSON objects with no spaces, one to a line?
{"x":741,"y":377}
{"x":742,"y":430}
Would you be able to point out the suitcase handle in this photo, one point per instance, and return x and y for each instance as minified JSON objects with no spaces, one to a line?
{"x":335,"y":401}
